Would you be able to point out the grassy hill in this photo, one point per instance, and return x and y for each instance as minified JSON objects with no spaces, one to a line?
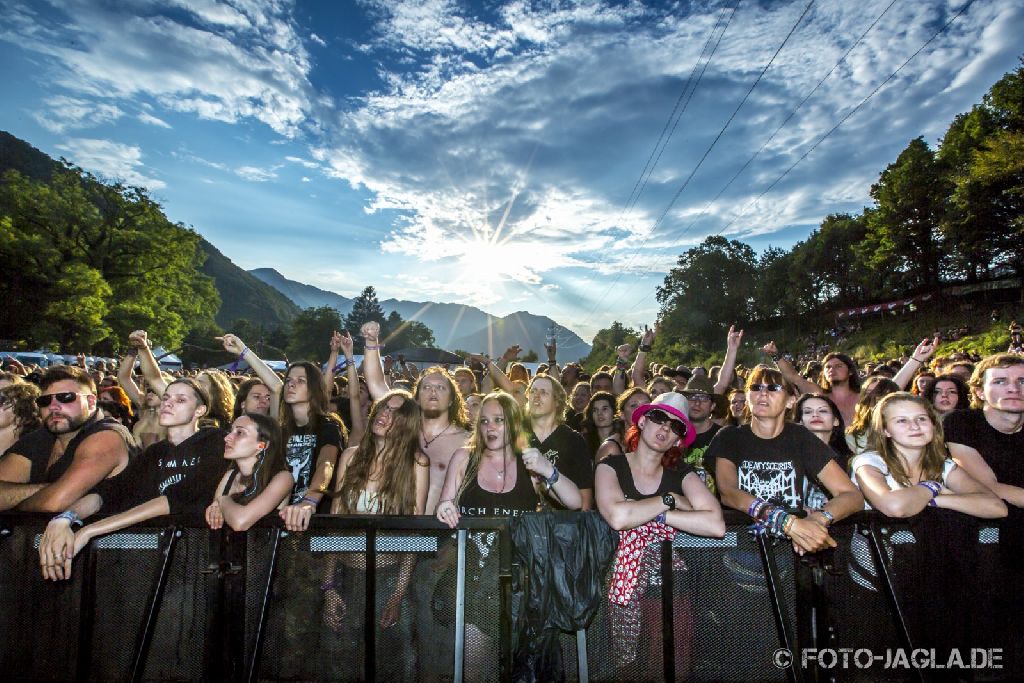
{"x":244,"y":296}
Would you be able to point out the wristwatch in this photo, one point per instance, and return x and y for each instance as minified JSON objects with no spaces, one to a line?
{"x":669,"y":499}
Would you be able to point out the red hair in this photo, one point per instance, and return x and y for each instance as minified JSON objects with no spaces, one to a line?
{"x":670,"y":458}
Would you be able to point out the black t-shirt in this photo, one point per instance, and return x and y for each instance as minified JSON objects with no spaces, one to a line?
{"x":773,"y":468}
{"x":37,"y":446}
{"x":187,"y":474}
{"x":1004,"y":453}
{"x":696,"y":456}
{"x":476,"y":502}
{"x":569,"y":453}
{"x":301,"y":450}
{"x":671,"y":478}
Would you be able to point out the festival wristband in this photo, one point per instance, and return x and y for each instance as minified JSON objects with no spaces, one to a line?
{"x":553,"y":479}
{"x":828,"y":516}
{"x":307,"y":499}
{"x":72,"y":518}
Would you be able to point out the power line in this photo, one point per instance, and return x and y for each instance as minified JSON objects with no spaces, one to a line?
{"x":714,"y":142}
{"x":673,"y":118}
{"x":843,"y":120}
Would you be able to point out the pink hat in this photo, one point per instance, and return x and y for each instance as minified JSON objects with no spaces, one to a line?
{"x":676,"y":407}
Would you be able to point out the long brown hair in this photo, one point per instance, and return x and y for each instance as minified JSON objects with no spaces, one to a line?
{"x":393,"y":467}
{"x":269,"y":462}
{"x":515,"y":430}
{"x":222,"y":396}
{"x":874,"y":389}
{"x":935,"y":453}
{"x":319,"y":403}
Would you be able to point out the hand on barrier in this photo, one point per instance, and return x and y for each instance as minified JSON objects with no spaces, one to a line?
{"x":56,"y":549}
{"x":448,"y":513}
{"x":334,"y":609}
{"x":296,"y":517}
{"x":215,"y":516}
{"x":809,"y":536}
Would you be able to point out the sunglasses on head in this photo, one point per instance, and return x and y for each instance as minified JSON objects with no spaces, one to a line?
{"x":659,"y":417}
{"x":62,"y":397}
{"x":755,"y":388}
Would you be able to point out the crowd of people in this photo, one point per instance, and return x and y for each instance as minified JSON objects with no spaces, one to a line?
{"x":654,"y":449}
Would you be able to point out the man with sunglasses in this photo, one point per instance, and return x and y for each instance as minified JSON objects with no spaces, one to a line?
{"x":76,"y":448}
{"x":761,"y":468}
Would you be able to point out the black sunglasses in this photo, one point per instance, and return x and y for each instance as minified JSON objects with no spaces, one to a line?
{"x":660,"y":417}
{"x":62,"y":397}
{"x":755,"y":388}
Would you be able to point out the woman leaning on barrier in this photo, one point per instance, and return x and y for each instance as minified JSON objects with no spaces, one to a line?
{"x":175,"y":476}
{"x":258,"y":482}
{"x":908,"y":467}
{"x":646,"y":503}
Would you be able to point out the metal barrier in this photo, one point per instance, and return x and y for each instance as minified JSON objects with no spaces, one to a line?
{"x":171,"y":600}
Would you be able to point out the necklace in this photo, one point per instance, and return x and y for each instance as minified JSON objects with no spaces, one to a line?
{"x":427,"y":442}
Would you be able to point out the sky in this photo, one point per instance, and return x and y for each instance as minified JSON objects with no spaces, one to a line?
{"x":554,"y":157}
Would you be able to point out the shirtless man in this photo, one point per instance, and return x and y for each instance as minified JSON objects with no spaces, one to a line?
{"x":444,"y":413}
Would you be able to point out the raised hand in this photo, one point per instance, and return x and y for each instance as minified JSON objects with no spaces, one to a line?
{"x":370,"y":332}
{"x":232,"y":344}
{"x":734,"y":338}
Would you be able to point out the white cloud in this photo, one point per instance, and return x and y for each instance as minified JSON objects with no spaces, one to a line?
{"x":318,"y":40}
{"x":146,"y":117}
{"x":111,"y":160}
{"x":226,"y":65}
{"x":256,"y":175}
{"x":65,"y":113}
{"x":304,"y":162}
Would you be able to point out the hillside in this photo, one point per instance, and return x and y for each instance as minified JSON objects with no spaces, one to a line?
{"x":17,"y":154}
{"x":244,"y":296}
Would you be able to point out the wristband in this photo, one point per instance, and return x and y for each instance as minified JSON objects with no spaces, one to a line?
{"x":553,"y":479}
{"x":307,"y":499}
{"x":373,"y":347}
{"x":241,"y":356}
{"x":132,"y":351}
{"x":72,"y":518}
{"x":326,"y":586}
{"x":660,"y":519}
{"x":829,"y":516}
{"x":644,"y":348}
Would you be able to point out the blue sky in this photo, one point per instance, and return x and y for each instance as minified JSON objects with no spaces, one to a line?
{"x":487,"y":153}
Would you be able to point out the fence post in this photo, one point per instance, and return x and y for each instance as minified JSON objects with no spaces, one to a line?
{"x":149,"y":623}
{"x":771,"y":577}
{"x":261,"y":623}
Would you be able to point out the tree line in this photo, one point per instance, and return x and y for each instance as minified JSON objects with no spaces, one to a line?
{"x":954,"y":213}
{"x":87,"y":262}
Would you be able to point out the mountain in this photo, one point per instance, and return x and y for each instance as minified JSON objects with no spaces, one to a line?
{"x":302,"y":295}
{"x":455,"y":326}
{"x":30,"y":162}
{"x":245,"y":296}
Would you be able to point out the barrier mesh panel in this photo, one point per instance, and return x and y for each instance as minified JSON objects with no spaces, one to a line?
{"x":39,"y":620}
{"x":124,"y":581}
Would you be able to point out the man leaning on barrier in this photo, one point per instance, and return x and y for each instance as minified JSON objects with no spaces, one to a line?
{"x":76,"y":448}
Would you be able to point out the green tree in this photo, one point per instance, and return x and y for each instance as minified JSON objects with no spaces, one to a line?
{"x":75,"y":232}
{"x":311,"y":333}
{"x":602,"y":348}
{"x":404,"y":334}
{"x":902,"y":244}
{"x":365,"y":308}
{"x":711,"y":287}
{"x":530,"y":357}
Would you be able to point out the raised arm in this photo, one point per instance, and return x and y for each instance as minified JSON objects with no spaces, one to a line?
{"x":620,"y":381}
{"x":494,"y":371}
{"x":150,"y":368}
{"x":640,"y":362}
{"x":372,"y":370}
{"x":234,"y":345}
{"x":332,"y":359}
{"x":788,"y":371}
{"x":355,"y":406}
{"x":125,"y":379}
{"x":918,"y":359}
{"x":732,"y":348}
{"x":552,"y":351}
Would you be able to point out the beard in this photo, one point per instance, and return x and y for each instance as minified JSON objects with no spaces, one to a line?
{"x":64,"y":424}
{"x":433,"y":413}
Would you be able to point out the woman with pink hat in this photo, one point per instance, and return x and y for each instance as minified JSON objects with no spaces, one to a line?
{"x":646,"y":503}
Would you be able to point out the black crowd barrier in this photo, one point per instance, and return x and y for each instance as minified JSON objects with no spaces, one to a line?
{"x":173,"y":601}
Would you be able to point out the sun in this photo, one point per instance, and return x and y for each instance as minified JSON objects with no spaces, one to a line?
{"x":488,"y":263}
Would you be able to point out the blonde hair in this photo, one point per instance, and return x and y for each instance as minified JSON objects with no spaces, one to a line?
{"x":935,"y":453}
{"x":515,"y":430}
